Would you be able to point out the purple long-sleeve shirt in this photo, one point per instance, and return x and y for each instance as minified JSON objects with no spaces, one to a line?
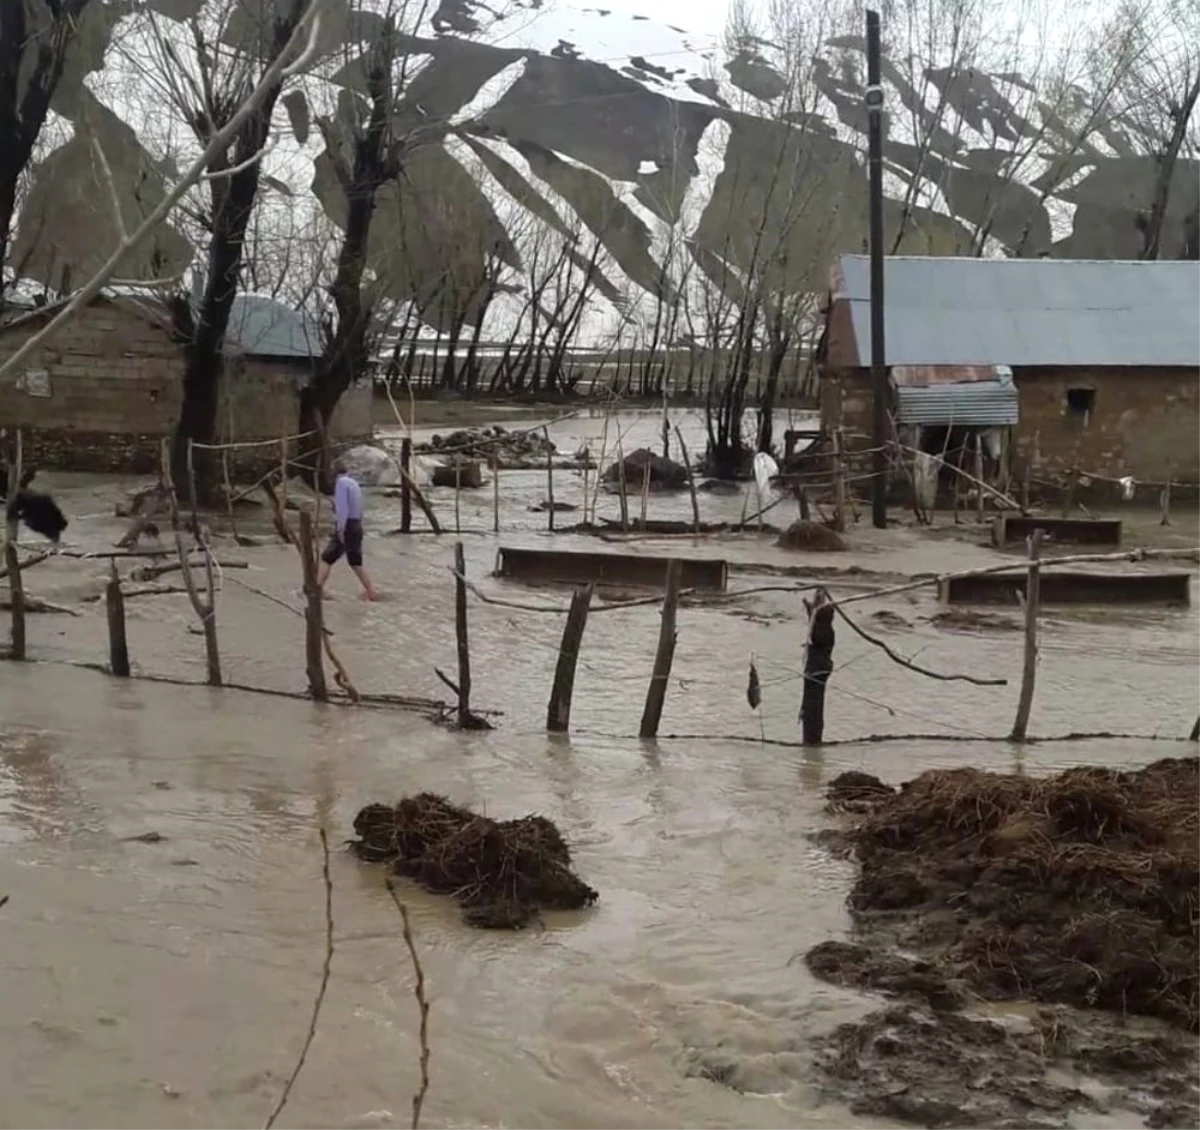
{"x":347,"y":502}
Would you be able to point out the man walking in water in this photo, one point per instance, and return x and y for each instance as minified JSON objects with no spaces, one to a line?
{"x":347,"y":536}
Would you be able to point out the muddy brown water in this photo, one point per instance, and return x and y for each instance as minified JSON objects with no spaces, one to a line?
{"x":170,"y":983}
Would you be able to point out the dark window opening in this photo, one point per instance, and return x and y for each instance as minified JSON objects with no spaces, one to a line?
{"x":1081,"y":402}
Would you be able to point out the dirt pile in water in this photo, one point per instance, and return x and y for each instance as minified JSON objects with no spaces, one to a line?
{"x":1080,"y":891}
{"x":502,"y":872}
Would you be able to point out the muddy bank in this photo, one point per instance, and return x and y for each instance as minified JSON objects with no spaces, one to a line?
{"x":1079,"y":892}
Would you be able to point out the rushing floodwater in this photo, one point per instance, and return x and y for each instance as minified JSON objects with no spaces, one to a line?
{"x":171,"y":983}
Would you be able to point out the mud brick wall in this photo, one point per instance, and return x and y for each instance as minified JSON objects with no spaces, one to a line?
{"x":1144,"y":422}
{"x":115,"y":377}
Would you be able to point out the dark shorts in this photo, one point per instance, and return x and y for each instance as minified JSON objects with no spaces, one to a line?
{"x":351,"y":544}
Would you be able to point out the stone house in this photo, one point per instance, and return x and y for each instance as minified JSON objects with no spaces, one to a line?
{"x":1104,"y":356}
{"x":106,"y":390}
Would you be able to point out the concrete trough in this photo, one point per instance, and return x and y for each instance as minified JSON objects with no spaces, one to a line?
{"x":1015,"y":528}
{"x":550,"y":566}
{"x":1070,"y":587}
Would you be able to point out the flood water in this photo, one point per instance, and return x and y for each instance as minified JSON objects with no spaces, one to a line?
{"x":171,"y":983}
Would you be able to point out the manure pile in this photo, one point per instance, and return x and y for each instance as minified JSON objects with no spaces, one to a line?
{"x":502,"y":872}
{"x":1078,"y":892}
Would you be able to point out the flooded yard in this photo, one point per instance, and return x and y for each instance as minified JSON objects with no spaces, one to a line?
{"x":171,"y":982}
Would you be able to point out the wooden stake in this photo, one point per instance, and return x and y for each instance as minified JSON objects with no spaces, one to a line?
{"x":12,"y":564}
{"x":283,"y":469}
{"x":1164,"y":500}
{"x":586,"y":468}
{"x":622,"y":484}
{"x":1029,"y":673}
{"x":229,"y":493}
{"x":687,"y":462}
{"x":422,"y":502}
{"x":206,"y":611}
{"x":839,"y":483}
{"x":405,"y":485}
{"x":549,"y":481}
{"x":818,"y":666}
{"x":457,"y":493}
{"x":114,"y":603}
{"x":558,"y":713}
{"x":495,"y":493}
{"x":657,"y":692}
{"x":313,"y":614}
{"x":1194,"y":736}
{"x":460,"y":635}
{"x":979,"y":477}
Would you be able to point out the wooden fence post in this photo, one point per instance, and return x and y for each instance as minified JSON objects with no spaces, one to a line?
{"x":839,"y":482}
{"x":460,"y":636}
{"x":818,"y":666}
{"x":1033,"y":598}
{"x":979,"y":477}
{"x":558,"y":713}
{"x":457,"y":493}
{"x":622,"y":484}
{"x":691,"y":474}
{"x":645,"y":492}
{"x":16,"y":583}
{"x":549,"y":480}
{"x":657,"y":691}
{"x":118,"y":646}
{"x":495,"y":493}
{"x":313,"y":618}
{"x":1164,"y":500}
{"x":405,"y":488}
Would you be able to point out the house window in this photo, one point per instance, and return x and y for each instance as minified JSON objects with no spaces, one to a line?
{"x":1081,"y":403}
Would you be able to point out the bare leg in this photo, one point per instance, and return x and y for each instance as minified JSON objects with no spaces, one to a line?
{"x":368,"y":589}
{"x":323,"y":570}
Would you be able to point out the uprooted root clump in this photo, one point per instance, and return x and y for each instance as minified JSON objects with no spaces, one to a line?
{"x":502,"y":872}
{"x":1081,"y":888}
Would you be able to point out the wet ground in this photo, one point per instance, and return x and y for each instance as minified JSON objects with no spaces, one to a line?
{"x":171,"y":982}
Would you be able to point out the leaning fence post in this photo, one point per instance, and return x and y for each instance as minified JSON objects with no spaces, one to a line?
{"x":558,"y":713}
{"x":118,"y":646}
{"x":460,"y":636}
{"x":1033,"y":594}
{"x":405,"y":487}
{"x":657,"y":691}
{"x":16,"y":583}
{"x":313,"y":619}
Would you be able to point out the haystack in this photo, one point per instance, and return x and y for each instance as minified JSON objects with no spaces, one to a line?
{"x":502,"y":872}
{"x":1080,"y":889}
{"x":812,"y":536}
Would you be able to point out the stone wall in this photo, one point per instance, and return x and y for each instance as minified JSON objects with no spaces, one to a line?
{"x":1142,"y":422}
{"x":107,"y":390}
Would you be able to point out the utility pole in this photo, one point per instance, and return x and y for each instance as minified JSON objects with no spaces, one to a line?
{"x":879,"y":382}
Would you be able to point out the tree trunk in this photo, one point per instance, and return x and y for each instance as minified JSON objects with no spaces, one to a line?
{"x":1181,"y":115}
{"x":233,"y":205}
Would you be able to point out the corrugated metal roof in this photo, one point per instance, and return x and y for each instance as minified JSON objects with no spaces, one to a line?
{"x":945,"y":374}
{"x":969,"y":404}
{"x":951,"y":311}
{"x":262,"y":327}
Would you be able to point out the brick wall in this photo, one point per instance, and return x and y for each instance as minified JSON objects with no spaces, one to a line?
{"x":115,"y":381}
{"x":1143,"y":422}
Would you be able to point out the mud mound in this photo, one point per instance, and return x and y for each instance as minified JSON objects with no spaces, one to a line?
{"x":812,"y":536}
{"x":665,"y":474}
{"x":502,"y":872}
{"x":1081,"y":888}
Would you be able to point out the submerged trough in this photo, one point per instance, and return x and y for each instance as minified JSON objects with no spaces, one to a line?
{"x":705,"y":574}
{"x":1009,"y":529}
{"x":1070,"y":587}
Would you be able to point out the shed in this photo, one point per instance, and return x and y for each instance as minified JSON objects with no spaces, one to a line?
{"x":1104,"y":355}
{"x":104,"y":391}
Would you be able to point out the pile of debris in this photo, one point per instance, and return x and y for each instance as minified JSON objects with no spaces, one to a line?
{"x":1080,"y":892}
{"x":812,"y":537}
{"x":513,"y":451}
{"x":665,"y":474}
{"x":502,"y":872}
